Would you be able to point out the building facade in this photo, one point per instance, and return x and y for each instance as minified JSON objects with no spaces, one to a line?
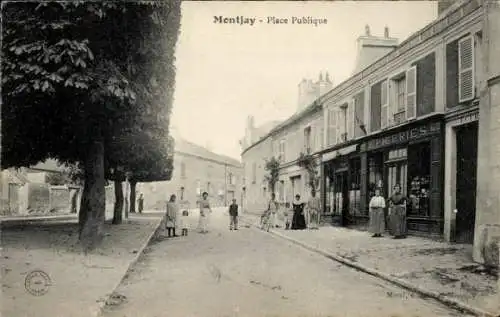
{"x":300,"y":133}
{"x":422,"y":116}
{"x":196,"y":170}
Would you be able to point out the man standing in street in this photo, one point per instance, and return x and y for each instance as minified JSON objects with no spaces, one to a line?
{"x":313,"y":207}
{"x":233,"y":215}
{"x":141,"y":203}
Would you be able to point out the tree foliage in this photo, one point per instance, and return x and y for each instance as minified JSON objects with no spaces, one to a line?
{"x":308,"y":162}
{"x":83,"y":81}
{"x":272,"y":166}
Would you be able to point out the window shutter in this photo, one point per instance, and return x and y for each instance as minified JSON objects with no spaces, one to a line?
{"x":384,"y":111}
{"x":411,"y":93}
{"x":332,"y":133}
{"x":391,"y":102}
{"x":338,"y":125}
{"x":351,"y":118}
{"x":466,"y":82}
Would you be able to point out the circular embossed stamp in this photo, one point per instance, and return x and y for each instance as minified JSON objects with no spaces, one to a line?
{"x":37,"y":283}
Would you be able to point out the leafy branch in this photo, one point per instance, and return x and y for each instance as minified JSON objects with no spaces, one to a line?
{"x":308,"y":162}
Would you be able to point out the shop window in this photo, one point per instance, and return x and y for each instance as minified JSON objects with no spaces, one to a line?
{"x":355,"y":187}
{"x":419,"y":186}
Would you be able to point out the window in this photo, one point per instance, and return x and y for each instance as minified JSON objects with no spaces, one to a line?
{"x":281,"y":156}
{"x":307,"y":140}
{"x":254,"y":173}
{"x":332,"y":126}
{"x":359,"y":113}
{"x":230,"y":179}
{"x":183,"y":170}
{"x":341,"y":128}
{"x":350,"y":119}
{"x":466,"y":82}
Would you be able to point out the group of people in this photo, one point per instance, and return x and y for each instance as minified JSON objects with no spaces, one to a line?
{"x":298,"y":215}
{"x":174,"y":220}
{"x":396,"y":216}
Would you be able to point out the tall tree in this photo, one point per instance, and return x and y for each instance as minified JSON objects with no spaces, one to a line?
{"x":272,"y":166}
{"x":77,"y":77}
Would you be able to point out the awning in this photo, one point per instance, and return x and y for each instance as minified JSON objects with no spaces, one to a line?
{"x":343,"y":151}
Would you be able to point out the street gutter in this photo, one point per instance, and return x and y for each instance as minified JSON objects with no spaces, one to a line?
{"x":446,"y":300}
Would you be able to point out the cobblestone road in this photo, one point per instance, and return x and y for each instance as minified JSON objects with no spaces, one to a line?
{"x":250,"y":273}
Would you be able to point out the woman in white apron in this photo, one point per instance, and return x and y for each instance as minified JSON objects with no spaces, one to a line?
{"x":205,"y":212}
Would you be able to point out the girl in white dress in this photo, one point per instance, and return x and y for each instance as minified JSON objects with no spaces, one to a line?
{"x":171,"y":216}
{"x":205,"y":212}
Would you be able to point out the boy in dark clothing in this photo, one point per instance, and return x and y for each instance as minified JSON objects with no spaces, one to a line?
{"x":233,"y":216}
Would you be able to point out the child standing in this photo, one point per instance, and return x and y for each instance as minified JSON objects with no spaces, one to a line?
{"x":184,"y":222}
{"x":288,"y":216}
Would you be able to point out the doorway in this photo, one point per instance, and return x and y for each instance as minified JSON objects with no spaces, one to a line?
{"x":341,"y":198}
{"x":466,"y":183}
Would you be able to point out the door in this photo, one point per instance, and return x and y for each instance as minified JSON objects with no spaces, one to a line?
{"x":341,"y":199}
{"x":466,"y":183}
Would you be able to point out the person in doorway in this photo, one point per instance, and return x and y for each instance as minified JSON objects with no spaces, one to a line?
{"x":140,"y":203}
{"x":272,"y":208}
{"x":299,"y":220}
{"x":313,"y":208}
{"x":377,"y":219}
{"x":397,"y":213}
{"x":233,"y":215}
{"x":205,"y":211}
{"x":171,"y":216}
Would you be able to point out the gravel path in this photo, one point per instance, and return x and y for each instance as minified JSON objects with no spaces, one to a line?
{"x":249,"y":273}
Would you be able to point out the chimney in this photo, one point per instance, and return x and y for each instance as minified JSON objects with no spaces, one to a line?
{"x":320,"y":76}
{"x":371,"y":48}
{"x":327,"y":78}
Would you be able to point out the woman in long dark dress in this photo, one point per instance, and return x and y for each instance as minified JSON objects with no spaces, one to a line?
{"x":298,"y":221}
{"x":397,"y":217}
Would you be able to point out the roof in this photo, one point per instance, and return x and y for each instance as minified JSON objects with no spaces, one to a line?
{"x":186,"y":147}
{"x":292,"y":119}
{"x":265,"y":128}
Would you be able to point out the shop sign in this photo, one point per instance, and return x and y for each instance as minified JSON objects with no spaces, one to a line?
{"x":468,"y":118}
{"x":404,"y":136}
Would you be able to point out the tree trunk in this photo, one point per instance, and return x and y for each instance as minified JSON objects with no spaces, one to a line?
{"x":74,"y":198}
{"x":93,"y":203}
{"x":127,"y":197}
{"x":132,"y":196}
{"x":118,"y":208}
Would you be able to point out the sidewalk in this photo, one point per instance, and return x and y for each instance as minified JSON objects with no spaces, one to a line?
{"x":439,"y":267}
{"x":79,"y":284}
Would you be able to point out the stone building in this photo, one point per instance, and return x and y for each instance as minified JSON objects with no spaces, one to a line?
{"x":196,"y":170}
{"x":300,"y":133}
{"x":422,"y":114}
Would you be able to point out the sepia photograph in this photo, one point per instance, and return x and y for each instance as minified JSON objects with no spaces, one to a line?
{"x":170,"y":158}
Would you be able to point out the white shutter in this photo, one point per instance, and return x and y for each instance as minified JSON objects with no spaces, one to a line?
{"x":391,"y":101}
{"x":411,"y":93}
{"x":351,"y":119}
{"x":466,"y":82}
{"x":384,"y":104}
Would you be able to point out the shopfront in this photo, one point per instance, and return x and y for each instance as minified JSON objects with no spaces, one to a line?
{"x":412,"y":158}
{"x":460,"y":175}
{"x":342,"y":185}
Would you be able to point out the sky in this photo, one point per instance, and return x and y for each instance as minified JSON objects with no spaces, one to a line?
{"x":226,"y":72}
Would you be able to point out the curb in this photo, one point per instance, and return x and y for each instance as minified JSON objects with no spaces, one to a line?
{"x":101,"y":304}
{"x":448,"y":301}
